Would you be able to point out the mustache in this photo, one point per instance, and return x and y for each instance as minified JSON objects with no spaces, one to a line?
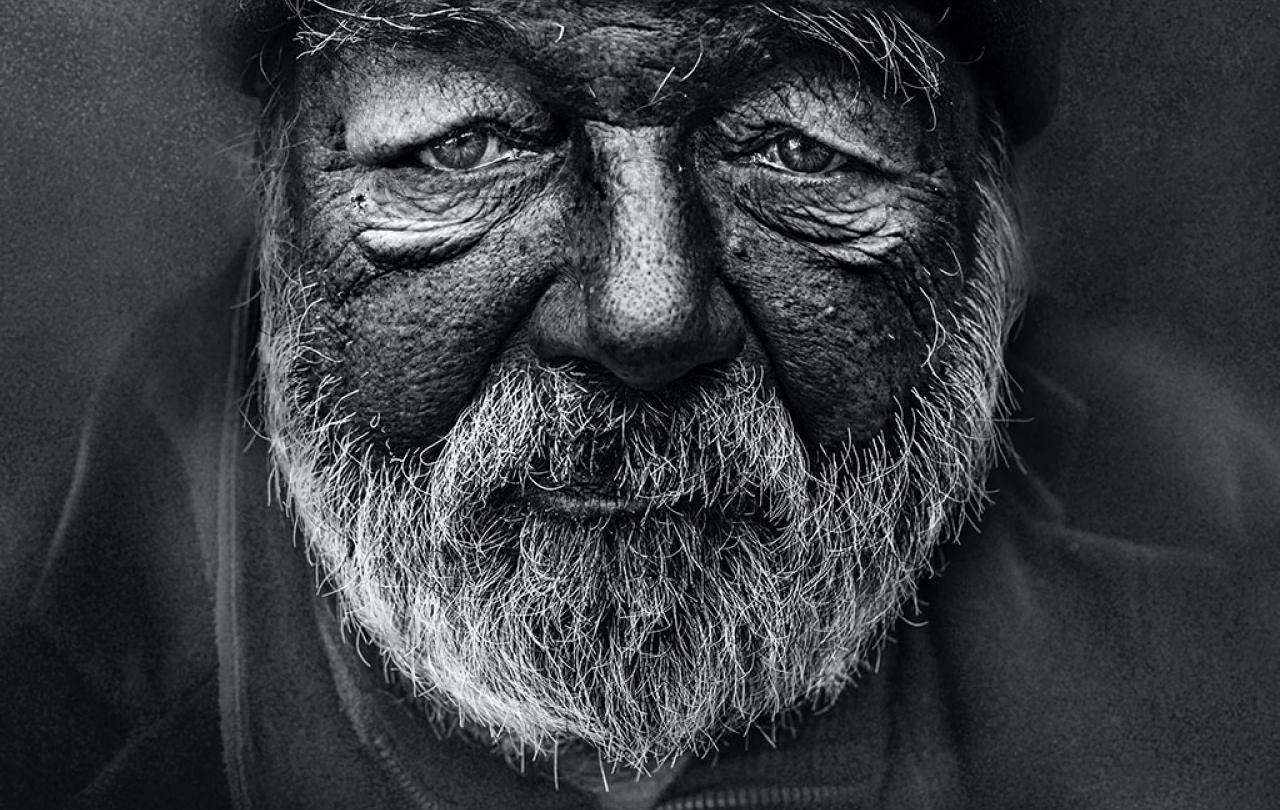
{"x":694,"y":446}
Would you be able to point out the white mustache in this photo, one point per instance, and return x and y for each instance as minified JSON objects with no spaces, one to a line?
{"x":580,"y":432}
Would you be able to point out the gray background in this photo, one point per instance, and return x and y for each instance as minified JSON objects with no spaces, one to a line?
{"x":1151,"y":202}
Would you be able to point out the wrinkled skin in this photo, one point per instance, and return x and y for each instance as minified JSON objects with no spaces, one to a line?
{"x":637,"y":219}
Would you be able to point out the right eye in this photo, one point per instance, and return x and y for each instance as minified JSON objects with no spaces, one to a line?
{"x":799,"y":154}
{"x":467,"y":150}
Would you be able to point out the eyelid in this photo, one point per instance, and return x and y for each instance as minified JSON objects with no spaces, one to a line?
{"x":375,"y":136}
{"x":858,"y":152}
{"x":398,"y":146}
{"x":754,"y":139}
{"x":509,"y":149}
{"x":771,"y":147}
{"x":409,"y":150}
{"x":758,"y":120}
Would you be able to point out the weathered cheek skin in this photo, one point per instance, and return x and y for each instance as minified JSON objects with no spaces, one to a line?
{"x":845,"y":282}
{"x":846,"y":324}
{"x":418,"y":283}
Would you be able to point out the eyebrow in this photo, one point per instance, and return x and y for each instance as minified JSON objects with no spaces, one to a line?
{"x":324,"y":24}
{"x":880,"y":37}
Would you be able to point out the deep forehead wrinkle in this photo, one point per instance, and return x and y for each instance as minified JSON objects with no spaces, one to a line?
{"x":864,"y":33}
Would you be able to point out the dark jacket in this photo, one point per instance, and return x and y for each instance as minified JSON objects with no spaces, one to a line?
{"x":1107,"y":637}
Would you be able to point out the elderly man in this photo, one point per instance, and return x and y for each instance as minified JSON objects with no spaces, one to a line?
{"x":623,"y":372}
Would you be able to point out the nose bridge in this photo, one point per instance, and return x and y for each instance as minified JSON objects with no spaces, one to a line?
{"x":650,"y":287}
{"x":654,"y":308}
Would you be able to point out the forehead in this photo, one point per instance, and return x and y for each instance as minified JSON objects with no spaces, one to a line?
{"x":638,"y":61}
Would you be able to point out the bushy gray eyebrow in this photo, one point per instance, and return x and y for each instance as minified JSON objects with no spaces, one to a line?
{"x":325,"y":24}
{"x":880,"y":36}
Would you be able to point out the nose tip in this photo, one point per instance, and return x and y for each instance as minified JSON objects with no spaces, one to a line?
{"x":649,"y":340}
{"x":648,"y":305}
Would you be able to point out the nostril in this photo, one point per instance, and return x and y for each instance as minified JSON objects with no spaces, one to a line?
{"x":651,"y":379}
{"x":644,"y":348}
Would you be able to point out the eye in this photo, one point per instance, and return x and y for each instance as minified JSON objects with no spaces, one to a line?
{"x":799,"y":154}
{"x":467,"y":150}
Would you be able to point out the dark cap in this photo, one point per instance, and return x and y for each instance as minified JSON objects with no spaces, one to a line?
{"x":1012,"y":43}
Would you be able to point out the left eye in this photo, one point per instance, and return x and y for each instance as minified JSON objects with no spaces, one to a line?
{"x":465,"y":151}
{"x":800,"y":154}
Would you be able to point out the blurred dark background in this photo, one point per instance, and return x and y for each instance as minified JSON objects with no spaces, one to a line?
{"x":1152,"y":201}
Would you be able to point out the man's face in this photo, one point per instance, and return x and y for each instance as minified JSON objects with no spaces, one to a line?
{"x":625,"y":364}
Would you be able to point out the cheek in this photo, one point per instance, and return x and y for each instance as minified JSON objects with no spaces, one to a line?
{"x":417,"y":347}
{"x":408,"y":345}
{"x":847,"y":328}
{"x":844,"y":347}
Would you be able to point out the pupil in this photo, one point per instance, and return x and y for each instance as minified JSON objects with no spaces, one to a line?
{"x":800,"y":153}
{"x":461,"y":151}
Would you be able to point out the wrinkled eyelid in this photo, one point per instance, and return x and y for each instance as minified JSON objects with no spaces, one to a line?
{"x":375,"y":132}
{"x":384,"y":147}
{"x":371,"y":145}
{"x":856,"y":151}
{"x":496,"y":150}
{"x":861,"y":153}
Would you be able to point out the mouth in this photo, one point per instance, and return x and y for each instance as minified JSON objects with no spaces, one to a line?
{"x":594,"y":490}
{"x":583,"y":503}
{"x":590,"y":491}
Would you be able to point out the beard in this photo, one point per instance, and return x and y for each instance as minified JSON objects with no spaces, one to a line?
{"x":577,"y":563}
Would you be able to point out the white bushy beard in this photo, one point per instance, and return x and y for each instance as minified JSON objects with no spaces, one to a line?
{"x":758,"y":575}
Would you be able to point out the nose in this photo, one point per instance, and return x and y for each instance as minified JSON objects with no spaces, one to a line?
{"x":644,"y":300}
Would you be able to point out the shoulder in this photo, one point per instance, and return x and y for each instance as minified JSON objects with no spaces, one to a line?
{"x":1115,"y":643}
{"x":115,"y":654}
{"x":1170,"y":454}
